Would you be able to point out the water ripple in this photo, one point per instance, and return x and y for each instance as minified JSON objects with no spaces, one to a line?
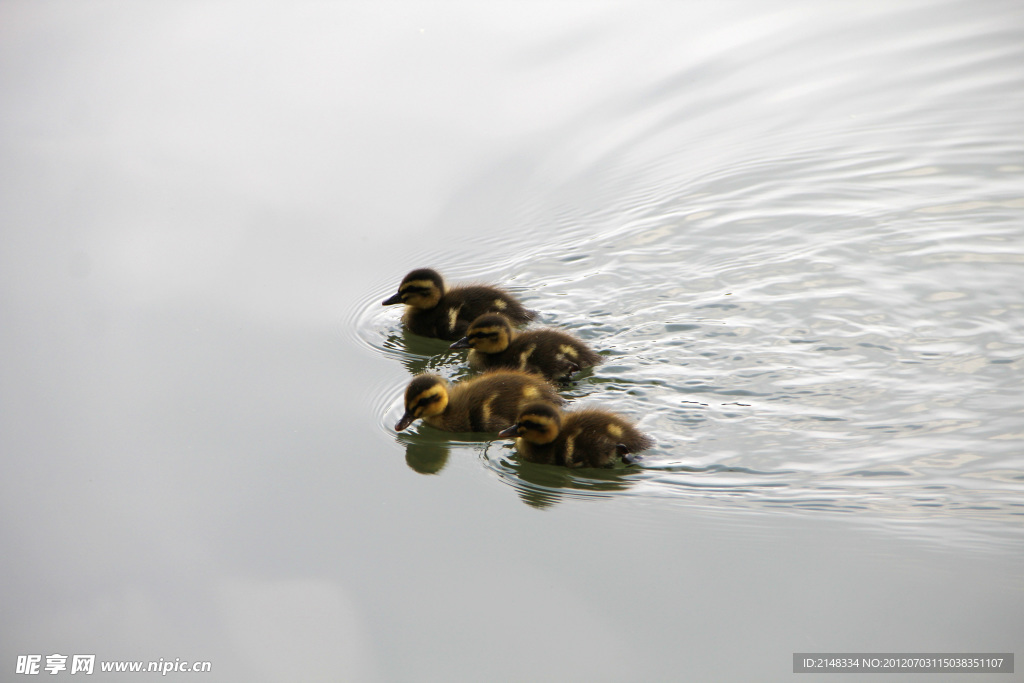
{"x":816,"y":310}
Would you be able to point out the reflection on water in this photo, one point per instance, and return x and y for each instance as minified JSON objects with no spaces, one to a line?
{"x":427,"y":452}
{"x":421,"y":354}
{"x":542,"y":486}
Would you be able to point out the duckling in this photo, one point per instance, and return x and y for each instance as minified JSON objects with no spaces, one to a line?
{"x":432,"y":310}
{"x":551,"y":353}
{"x":485,"y":403}
{"x":589,"y":437}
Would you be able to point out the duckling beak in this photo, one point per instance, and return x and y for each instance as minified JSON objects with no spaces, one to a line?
{"x":461,"y":344}
{"x":396,"y":299}
{"x":510,"y":433}
{"x":406,"y":420}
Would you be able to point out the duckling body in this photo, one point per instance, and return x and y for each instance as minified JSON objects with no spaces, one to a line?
{"x":433,"y":310}
{"x":588,"y":437}
{"x":485,"y":403}
{"x":551,"y":353}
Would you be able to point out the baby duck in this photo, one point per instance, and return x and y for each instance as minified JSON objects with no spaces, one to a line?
{"x":485,"y":403}
{"x":589,"y":437}
{"x":432,"y":310}
{"x":551,"y":353}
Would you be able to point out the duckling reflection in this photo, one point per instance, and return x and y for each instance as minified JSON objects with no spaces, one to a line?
{"x":434,"y":310}
{"x":422,"y":354}
{"x":588,"y":437}
{"x":485,"y":403}
{"x":540,"y":486}
{"x":424,"y":454}
{"x":551,"y":353}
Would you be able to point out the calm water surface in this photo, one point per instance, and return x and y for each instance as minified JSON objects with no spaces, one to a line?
{"x":795,"y":231}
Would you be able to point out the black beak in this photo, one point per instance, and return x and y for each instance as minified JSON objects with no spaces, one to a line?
{"x":406,"y":420}
{"x":396,"y":299}
{"x":510,"y":433}
{"x":461,"y":344}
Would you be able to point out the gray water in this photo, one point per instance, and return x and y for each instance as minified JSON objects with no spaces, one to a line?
{"x":794,"y":230}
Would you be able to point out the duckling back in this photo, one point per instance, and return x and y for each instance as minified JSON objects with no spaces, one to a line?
{"x":551,"y":353}
{"x":489,"y":402}
{"x":588,"y":437}
{"x":433,"y":310}
{"x":596,"y":438}
{"x":485,"y":403}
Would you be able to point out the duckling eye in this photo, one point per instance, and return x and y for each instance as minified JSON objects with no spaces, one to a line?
{"x":410,"y":291}
{"x":530,"y":424}
{"x":427,"y":400}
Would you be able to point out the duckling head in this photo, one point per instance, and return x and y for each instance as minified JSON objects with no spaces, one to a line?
{"x":489,"y":333}
{"x":426,"y":396}
{"x":421,"y":288}
{"x":538,"y":423}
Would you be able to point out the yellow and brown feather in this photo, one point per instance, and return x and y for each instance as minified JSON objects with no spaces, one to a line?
{"x":588,"y":437}
{"x":434,"y":310}
{"x":552,"y":353}
{"x":485,"y":403}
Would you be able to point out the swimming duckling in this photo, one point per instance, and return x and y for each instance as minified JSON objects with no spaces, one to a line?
{"x":485,"y":403}
{"x":432,"y":310}
{"x":589,"y":437}
{"x":550,"y":353}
